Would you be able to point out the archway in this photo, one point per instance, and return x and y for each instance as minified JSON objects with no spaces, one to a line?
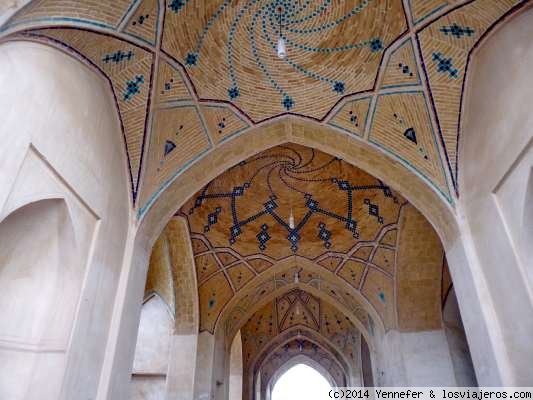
{"x":38,"y":332}
{"x":438,"y":106}
{"x":301,"y":381}
{"x":234,"y":283}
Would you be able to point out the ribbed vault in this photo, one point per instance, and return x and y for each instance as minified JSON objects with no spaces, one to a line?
{"x":364,"y":261}
{"x":299,"y":324}
{"x":188,"y":76}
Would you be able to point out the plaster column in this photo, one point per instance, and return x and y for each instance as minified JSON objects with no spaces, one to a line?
{"x":416,"y":359}
{"x":235,"y":371}
{"x":495,"y":160}
{"x":182,"y":369}
{"x":204,"y":376}
{"x":58,"y":144}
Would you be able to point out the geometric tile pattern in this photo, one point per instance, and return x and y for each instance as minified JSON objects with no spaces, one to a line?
{"x":311,"y":322}
{"x":129,"y":69}
{"x":334,"y":48}
{"x":220,"y":51}
{"x":352,"y":116}
{"x":446,"y":45}
{"x":303,"y":201}
{"x":401,"y":125}
{"x":401,"y":68}
{"x":344,"y":220}
{"x":222,"y":122}
{"x":143,"y":22}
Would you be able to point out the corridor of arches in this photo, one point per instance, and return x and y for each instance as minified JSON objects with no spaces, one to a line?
{"x":187,"y":212}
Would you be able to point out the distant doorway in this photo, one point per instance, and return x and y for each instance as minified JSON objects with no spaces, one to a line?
{"x":301,"y":382}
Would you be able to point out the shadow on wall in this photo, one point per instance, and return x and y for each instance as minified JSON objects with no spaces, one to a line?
{"x":459,"y":351}
{"x":528,"y":220}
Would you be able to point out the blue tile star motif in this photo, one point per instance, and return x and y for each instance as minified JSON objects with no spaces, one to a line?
{"x":445,"y":65}
{"x":343,"y":185}
{"x":457,"y":31}
{"x":238,"y":191}
{"x":287,"y":102}
{"x":263,"y":237}
{"x":191,"y":59}
{"x":324,"y":235}
{"x":376,"y":45}
{"x":293,"y":237}
{"x":373,"y":210}
{"x":133,"y":87}
{"x":338,"y":87}
{"x":351,"y":225}
{"x":311,"y":204}
{"x":176,"y":5}
{"x":233,"y":92}
{"x":212,"y":219}
{"x":235,"y":231}
{"x":270,"y":205}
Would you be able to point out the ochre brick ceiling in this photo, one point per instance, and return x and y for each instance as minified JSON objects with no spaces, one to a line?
{"x":296,"y":324}
{"x":345,"y":221}
{"x":190,"y":75}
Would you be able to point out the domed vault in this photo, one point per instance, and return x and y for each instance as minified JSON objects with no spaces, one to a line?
{"x":309,"y":257}
{"x":354,"y":261}
{"x":189,"y":76}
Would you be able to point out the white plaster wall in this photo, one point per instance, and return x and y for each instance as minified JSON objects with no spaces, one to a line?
{"x":35,"y":264}
{"x":10,"y":7}
{"x":494,"y":167}
{"x":148,"y":387}
{"x":182,"y":368}
{"x":153,"y":338}
{"x":416,"y":359}
{"x":150,"y":364}
{"x":60,"y":138}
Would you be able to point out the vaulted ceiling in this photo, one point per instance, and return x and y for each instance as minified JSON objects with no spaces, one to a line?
{"x":190,"y":75}
{"x":296,"y":324}
{"x":357,"y":261}
{"x":344,"y":221}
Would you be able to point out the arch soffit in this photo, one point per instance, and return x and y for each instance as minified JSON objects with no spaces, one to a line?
{"x":300,"y":332}
{"x":311,"y":290}
{"x":249,"y":300}
{"x":307,"y":133}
